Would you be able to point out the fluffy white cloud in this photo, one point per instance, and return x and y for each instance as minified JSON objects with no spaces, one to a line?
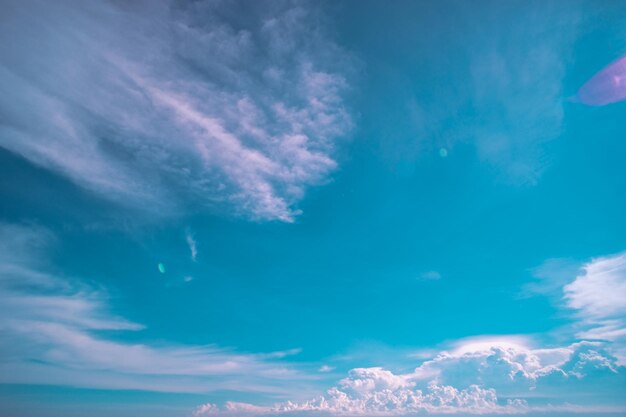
{"x":207,"y":409}
{"x":478,"y":376}
{"x":171,"y":104}
{"x":230,"y":407}
{"x":515,"y":370}
{"x":435,"y":399}
{"x":51,"y":329}
{"x":399,"y":401}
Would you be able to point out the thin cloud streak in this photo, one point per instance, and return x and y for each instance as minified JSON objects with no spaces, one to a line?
{"x":52,"y":325}
{"x":193,"y":245}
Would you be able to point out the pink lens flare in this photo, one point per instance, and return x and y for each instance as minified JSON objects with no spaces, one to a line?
{"x":605,"y":87}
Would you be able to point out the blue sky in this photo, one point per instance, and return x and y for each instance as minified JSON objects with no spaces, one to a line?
{"x":322,"y":208}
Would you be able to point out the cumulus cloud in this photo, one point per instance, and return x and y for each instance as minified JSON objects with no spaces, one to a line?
{"x":207,"y":409}
{"x":515,"y":369}
{"x":52,"y":327}
{"x":230,"y":407}
{"x":477,"y":376}
{"x":171,"y":104}
{"x":436,"y":399}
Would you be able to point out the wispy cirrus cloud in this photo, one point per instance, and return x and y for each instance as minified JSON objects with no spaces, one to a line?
{"x":591,"y":293}
{"x":170,"y":104}
{"x":597,"y":292}
{"x":597,"y":297}
{"x":508,"y":102}
{"x":53,"y":327}
{"x":192,"y":243}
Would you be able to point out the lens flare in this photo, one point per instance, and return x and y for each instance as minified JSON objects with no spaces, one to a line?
{"x":605,"y":87}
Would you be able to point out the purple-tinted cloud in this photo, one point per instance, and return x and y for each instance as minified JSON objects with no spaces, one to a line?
{"x":170,"y":106}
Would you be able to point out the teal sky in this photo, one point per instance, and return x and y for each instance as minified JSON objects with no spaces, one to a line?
{"x":219,"y":208}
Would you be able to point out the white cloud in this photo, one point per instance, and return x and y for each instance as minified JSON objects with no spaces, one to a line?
{"x":430,"y":276}
{"x":193,"y":245}
{"x":598,"y":294}
{"x":484,"y":343}
{"x":52,"y":326}
{"x":326,"y":368}
{"x":477,"y":376}
{"x":515,"y":369}
{"x":436,"y":399}
{"x":230,"y":407}
{"x":283,"y":353}
{"x":207,"y":409}
{"x":591,"y":293}
{"x":168,"y":104}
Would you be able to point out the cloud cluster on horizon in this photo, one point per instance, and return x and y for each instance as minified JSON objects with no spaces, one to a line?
{"x":164,"y":104}
{"x":498,"y":378}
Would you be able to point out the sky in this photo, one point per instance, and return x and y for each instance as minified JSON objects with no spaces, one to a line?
{"x":297,"y":208}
